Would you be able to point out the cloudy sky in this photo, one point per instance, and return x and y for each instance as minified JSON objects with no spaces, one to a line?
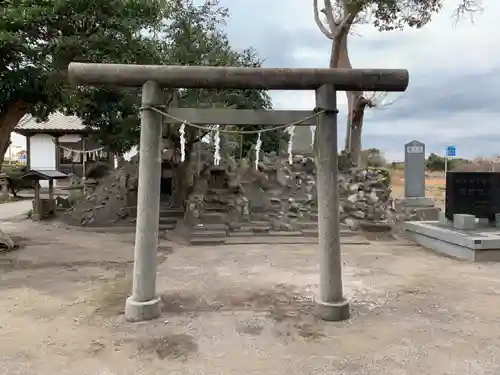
{"x":454,"y":69}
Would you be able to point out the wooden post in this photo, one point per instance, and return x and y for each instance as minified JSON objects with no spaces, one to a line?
{"x":57,"y":153}
{"x":28,"y":152}
{"x":36,"y":215}
{"x":331,"y":304}
{"x":84,"y":159}
{"x":51,"y":196}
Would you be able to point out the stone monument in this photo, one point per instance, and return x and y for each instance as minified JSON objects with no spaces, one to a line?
{"x":302,"y":141}
{"x":415,"y":203}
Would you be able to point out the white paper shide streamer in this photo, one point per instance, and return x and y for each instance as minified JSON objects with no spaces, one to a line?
{"x":182,"y":131}
{"x":257,"y":152}
{"x":217,"y":145}
{"x":291,"y":131}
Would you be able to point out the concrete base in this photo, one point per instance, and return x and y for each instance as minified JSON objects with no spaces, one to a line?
{"x":139,"y":311}
{"x":419,"y":209}
{"x":479,"y":245}
{"x":333,"y":312}
{"x":426,"y":213}
{"x":414,"y":202}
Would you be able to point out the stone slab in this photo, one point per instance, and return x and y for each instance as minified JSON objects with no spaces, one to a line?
{"x":481,"y":244}
{"x":413,"y":202}
{"x":427,"y":213}
{"x":205,"y":241}
{"x":268,"y":240}
{"x":208,"y":233}
{"x":211,"y":227}
{"x":464,"y":222}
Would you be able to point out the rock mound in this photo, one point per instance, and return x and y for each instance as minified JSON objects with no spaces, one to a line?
{"x":109,"y":201}
{"x":235,"y":193}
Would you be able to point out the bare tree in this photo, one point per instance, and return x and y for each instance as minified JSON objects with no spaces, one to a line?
{"x":337,"y":24}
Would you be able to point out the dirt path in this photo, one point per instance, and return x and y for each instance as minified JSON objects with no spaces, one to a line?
{"x":12,"y":209}
{"x":241,"y":310}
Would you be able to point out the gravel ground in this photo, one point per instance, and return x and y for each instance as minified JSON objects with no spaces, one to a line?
{"x":241,"y":310}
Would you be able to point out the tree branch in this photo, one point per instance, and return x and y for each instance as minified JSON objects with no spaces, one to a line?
{"x":344,"y":26}
{"x":469,"y":7}
{"x":330,"y":18}
{"x":318,"y":21}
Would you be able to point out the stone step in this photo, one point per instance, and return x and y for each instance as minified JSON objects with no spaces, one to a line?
{"x":314,"y":233}
{"x":168,"y":220}
{"x":213,"y":217}
{"x":164,"y":227}
{"x":204,"y":241}
{"x":171,"y":212}
{"x":217,"y":192}
{"x":209,"y":234}
{"x":214,"y":207}
{"x":254,"y":229}
{"x":269,"y":233}
{"x":269,"y":240}
{"x":211,"y":227}
{"x":307,"y":225}
{"x":265,"y":240}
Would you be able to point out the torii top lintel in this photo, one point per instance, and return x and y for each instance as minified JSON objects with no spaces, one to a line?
{"x":211,"y":77}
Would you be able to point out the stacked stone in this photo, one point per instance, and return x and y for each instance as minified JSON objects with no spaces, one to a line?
{"x":279,"y":193}
{"x":364,"y":196}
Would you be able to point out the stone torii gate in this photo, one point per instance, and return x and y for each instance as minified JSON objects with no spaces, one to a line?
{"x":144,"y":304}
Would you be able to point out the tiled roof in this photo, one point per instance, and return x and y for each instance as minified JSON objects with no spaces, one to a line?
{"x":56,"y":121}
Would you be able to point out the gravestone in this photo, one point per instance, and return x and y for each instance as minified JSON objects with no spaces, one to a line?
{"x":473,"y":193}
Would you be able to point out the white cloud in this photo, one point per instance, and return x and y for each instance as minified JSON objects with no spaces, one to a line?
{"x":284,"y":33}
{"x":440,"y":53}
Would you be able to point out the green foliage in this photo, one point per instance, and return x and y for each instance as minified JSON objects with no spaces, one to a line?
{"x":388,"y":15}
{"x":372,"y":157}
{"x":195,"y":36}
{"x":38,"y":38}
{"x":395,"y":14}
{"x":398,"y":166}
{"x":14,"y":175}
{"x":189,"y":35}
{"x":436,"y":163}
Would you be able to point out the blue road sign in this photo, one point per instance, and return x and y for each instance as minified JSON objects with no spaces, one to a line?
{"x":451,"y":151}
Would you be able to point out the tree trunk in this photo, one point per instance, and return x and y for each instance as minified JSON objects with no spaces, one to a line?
{"x":358,"y":115}
{"x":347,"y":145}
{"x":8,"y":121}
{"x":120,"y":160}
{"x":339,"y":58}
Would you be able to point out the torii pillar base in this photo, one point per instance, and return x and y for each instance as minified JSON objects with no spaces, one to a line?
{"x":333,"y":312}
{"x":136,"y":311}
